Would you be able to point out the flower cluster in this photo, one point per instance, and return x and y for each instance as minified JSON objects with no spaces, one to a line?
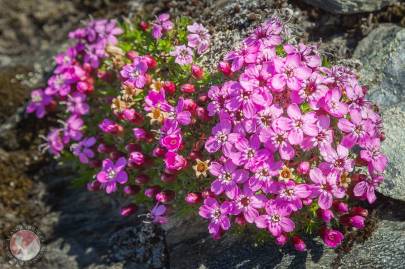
{"x":71,"y":83}
{"x":295,"y":142}
{"x":283,"y":141}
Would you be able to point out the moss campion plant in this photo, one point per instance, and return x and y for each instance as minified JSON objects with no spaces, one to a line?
{"x":276,"y":140}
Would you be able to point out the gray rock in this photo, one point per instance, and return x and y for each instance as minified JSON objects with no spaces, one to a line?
{"x":350,"y":6}
{"x":384,"y":249}
{"x":190,"y":246}
{"x":393,"y":146}
{"x":382,"y":54}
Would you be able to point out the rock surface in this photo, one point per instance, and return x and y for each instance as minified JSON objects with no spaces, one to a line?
{"x":382,"y":54}
{"x":350,"y":6}
{"x":394,"y":145}
{"x":384,"y":249}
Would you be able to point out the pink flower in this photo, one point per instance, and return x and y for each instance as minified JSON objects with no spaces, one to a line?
{"x":77,"y":104}
{"x":161,"y":25}
{"x":134,"y":73}
{"x":217,"y":214}
{"x":268,"y":34}
{"x":158,"y":214}
{"x":333,"y":105}
{"x":183,"y":54}
{"x":332,"y":238}
{"x":248,"y":152}
{"x":111,"y":174}
{"x":175,"y":161}
{"x":366,"y":188}
{"x":300,"y":124}
{"x":312,"y":91}
{"x":82,"y":149}
{"x":372,"y":154}
{"x":262,"y":176}
{"x":357,"y":129}
{"x":247,"y":202}
{"x":198,"y":37}
{"x":289,"y":72}
{"x":246,"y":55}
{"x":337,"y":159}
{"x":290,"y":195}
{"x":221,"y":137}
{"x":277,"y":141}
{"x":227,"y":177}
{"x":39,"y":100}
{"x":325,"y":187}
{"x":276,"y":220}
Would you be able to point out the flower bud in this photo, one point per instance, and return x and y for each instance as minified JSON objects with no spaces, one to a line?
{"x":341,"y":207}
{"x":128,"y":210}
{"x":203,"y":98}
{"x":142,"y":179}
{"x":225,"y":68}
{"x":326,"y":215}
{"x":130,"y":190}
{"x":136,"y":158}
{"x":331,"y":238}
{"x":303,"y":168}
{"x":202,"y":114}
{"x":193,"y":198}
{"x":132,"y":55}
{"x":357,"y":210}
{"x":93,"y":185}
{"x":299,"y":244}
{"x":158,"y":152}
{"x":197,"y":71}
{"x":165,"y":196}
{"x":144,"y":25}
{"x":150,"y":61}
{"x":169,"y":87}
{"x":281,"y":240}
{"x":307,"y":201}
{"x":168,"y":178}
{"x":152,"y":191}
{"x":187,"y":88}
{"x":139,"y":133}
{"x":357,"y":221}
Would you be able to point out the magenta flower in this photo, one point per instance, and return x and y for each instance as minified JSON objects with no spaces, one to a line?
{"x":248,"y":152}
{"x":247,"y":202}
{"x":266,"y":117}
{"x":38,"y":103}
{"x":111,"y":174}
{"x":135,"y":73}
{"x":217,"y":214}
{"x":247,"y":100}
{"x":172,"y":142}
{"x":277,"y":141}
{"x":366,"y":188}
{"x":198,"y":38}
{"x":158,"y":214}
{"x":289,"y":72}
{"x":325,"y":187}
{"x":300,"y":124}
{"x":333,"y":105}
{"x":337,"y":159}
{"x":372,"y":154}
{"x":332,"y":238}
{"x":227,"y":177}
{"x":155,"y":99}
{"x":268,"y":34}
{"x":77,"y":104}
{"x":55,"y":142}
{"x":312,"y":91}
{"x":246,"y":55}
{"x":357,"y":129}
{"x":290,"y":195}
{"x":183,"y":54}
{"x":218,"y":98}
{"x":178,"y":113}
{"x":59,"y":84}
{"x":161,"y":25}
{"x":73,"y":129}
{"x":108,"y":126}
{"x":263,"y":173}
{"x":221,"y":137}
{"x":82,"y":149}
{"x":276,"y":220}
{"x":174,"y":161}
